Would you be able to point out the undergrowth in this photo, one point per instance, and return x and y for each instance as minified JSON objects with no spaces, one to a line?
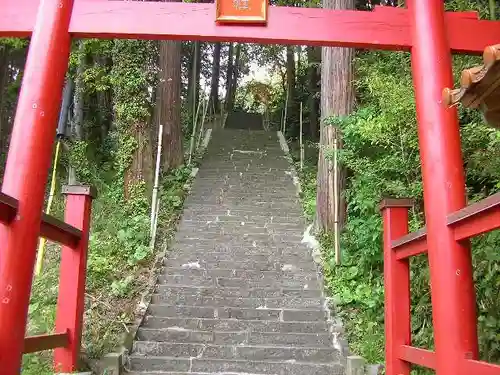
{"x":119,"y":267}
{"x":381,"y":156}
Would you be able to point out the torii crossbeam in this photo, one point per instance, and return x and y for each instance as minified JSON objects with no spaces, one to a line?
{"x":385,"y":28}
{"x":424,"y":29}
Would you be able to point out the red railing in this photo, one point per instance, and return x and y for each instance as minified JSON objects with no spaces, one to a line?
{"x":399,"y":246}
{"x":73,"y":234}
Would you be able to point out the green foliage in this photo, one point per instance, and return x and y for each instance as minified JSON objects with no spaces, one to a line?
{"x":382,"y":158}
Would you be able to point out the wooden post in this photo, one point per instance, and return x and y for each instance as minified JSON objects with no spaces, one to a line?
{"x":71,"y":298}
{"x":397,"y":286}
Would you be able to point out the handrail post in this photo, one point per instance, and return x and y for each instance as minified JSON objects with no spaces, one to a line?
{"x":397,"y":285}
{"x":71,"y":298}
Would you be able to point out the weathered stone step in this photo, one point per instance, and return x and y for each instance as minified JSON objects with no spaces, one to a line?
{"x":235,"y":282}
{"x":208,"y":264}
{"x":242,"y":273}
{"x":257,"y":256}
{"x":242,"y":228}
{"x":256,"y":217}
{"x":236,"y":325}
{"x":289,"y":302}
{"x":237,"y":352}
{"x":232,"y":366}
{"x":283,"y":315}
{"x":247,"y":337}
{"x":268,"y":222}
{"x":234,"y":240}
{"x":174,"y":291}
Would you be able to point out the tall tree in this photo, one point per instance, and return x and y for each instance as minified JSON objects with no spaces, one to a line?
{"x":337,"y":100}
{"x":229,"y":76}
{"x":290,"y":80}
{"x":169,"y":103}
{"x":313,"y":61}
{"x":235,"y":75}
{"x":214,"y":84}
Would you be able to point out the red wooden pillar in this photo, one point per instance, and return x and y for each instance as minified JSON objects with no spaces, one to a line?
{"x":397,"y":286}
{"x":70,"y":303}
{"x":452,"y":289}
{"x":27,"y":168}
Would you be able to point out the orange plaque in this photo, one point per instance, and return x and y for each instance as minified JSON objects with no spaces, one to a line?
{"x":241,"y":11}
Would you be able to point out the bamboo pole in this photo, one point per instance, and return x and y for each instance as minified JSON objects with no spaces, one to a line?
{"x":301,"y":141}
{"x":41,"y":244}
{"x":493,"y":16}
{"x":157,"y":176}
{"x":336,"y":200}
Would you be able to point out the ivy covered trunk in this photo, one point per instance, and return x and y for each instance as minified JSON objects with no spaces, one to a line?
{"x":337,"y":100}
{"x":131,"y":78}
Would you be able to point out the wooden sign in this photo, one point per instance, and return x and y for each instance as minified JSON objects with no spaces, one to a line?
{"x":242,"y":11}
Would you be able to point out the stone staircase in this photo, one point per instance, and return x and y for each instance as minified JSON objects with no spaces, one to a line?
{"x":239,"y":293}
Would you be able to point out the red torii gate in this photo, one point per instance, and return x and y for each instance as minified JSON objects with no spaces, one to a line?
{"x":424,"y":29}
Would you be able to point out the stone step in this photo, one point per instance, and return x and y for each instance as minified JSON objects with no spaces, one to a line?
{"x":214,"y":221}
{"x":247,"y":337}
{"x":235,"y":282}
{"x":174,"y":291}
{"x":243,"y":237}
{"x":237,"y":325}
{"x":237,"y":352}
{"x":282,"y":315}
{"x":208,"y":264}
{"x":284,"y":274}
{"x":189,"y":256}
{"x":218,"y":366}
{"x":274,"y":219}
{"x":241,"y":228}
{"x":290,"y":302}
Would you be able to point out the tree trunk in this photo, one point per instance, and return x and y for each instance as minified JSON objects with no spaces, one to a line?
{"x":169,"y":103}
{"x":236,"y":71}
{"x":313,"y":60}
{"x":290,"y":82}
{"x":337,"y":99}
{"x":229,"y":77}
{"x":214,"y":85}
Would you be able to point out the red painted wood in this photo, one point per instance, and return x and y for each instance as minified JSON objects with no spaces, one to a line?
{"x":8,"y":208}
{"x":385,"y":28}
{"x":410,"y":245}
{"x":27,"y":169}
{"x":452,"y":288}
{"x":418,"y":356}
{"x":480,"y":368}
{"x":70,"y":302}
{"x":58,"y":231}
{"x":38,"y":343}
{"x":477,"y":218}
{"x":397,"y":291}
